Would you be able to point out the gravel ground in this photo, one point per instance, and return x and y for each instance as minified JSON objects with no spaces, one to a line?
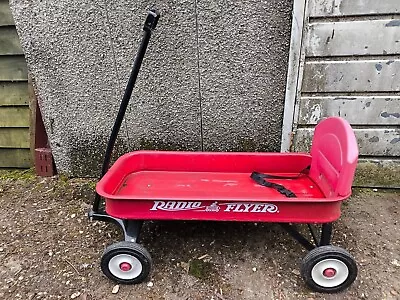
{"x":49,"y":249}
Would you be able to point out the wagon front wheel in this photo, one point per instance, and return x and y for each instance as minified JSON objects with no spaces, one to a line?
{"x":126,"y":262}
{"x":328,"y":269}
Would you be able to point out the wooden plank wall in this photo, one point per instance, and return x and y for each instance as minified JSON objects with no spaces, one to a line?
{"x":14,"y":100}
{"x":351,"y":68}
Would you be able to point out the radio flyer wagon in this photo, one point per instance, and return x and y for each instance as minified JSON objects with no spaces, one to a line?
{"x":285,"y":188}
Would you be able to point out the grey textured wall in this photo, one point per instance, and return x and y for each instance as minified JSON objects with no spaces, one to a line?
{"x":213,"y":77}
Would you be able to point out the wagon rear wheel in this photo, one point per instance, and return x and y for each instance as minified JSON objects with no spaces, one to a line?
{"x":126,"y":262}
{"x":328,"y":269}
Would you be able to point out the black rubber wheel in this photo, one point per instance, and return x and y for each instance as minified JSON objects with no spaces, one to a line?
{"x":328,"y":269}
{"x":126,"y":262}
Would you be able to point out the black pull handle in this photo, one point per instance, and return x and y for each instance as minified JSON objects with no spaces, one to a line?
{"x":149,"y":25}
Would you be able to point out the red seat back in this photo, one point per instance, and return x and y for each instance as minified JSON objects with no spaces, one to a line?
{"x":334,"y":154}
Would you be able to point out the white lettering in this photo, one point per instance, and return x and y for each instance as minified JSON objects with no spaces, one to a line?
{"x":157,"y":205}
{"x":170,"y":205}
{"x":251,"y":207}
{"x":229,"y":207}
{"x":196,"y":204}
{"x":173,"y":205}
{"x":180,"y":205}
{"x":271,"y":208}
{"x":237,"y":208}
{"x":247,"y":206}
{"x":257,"y":208}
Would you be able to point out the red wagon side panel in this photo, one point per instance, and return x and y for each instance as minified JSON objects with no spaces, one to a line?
{"x":306,"y":212}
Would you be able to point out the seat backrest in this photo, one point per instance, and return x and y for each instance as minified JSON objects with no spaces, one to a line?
{"x":334,"y":154}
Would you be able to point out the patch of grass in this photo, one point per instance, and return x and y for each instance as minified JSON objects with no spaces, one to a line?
{"x":63,"y":178}
{"x":377,"y":173}
{"x":62,"y":182}
{"x":370,"y":191}
{"x":362,"y":191}
{"x":200,"y":269}
{"x":16,"y":174}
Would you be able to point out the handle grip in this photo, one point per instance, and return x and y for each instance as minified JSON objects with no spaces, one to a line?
{"x":151,"y":20}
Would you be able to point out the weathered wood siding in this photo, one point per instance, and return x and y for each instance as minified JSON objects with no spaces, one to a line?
{"x":5,"y":14}
{"x":373,"y":141}
{"x":352,"y":76}
{"x":330,"y":8}
{"x":353,"y":38}
{"x":14,"y":104}
{"x":350,"y":67}
{"x":376,"y":110}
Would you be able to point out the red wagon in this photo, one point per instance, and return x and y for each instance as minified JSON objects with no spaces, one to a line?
{"x":285,"y":188}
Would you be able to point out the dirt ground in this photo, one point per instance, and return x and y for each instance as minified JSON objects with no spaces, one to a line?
{"x":49,"y":249}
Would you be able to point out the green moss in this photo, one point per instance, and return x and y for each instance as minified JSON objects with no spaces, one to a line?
{"x":28,"y":174}
{"x":86,"y":157}
{"x":251,"y":145}
{"x":370,"y":191}
{"x":63,"y":178}
{"x":200,"y":269}
{"x":91,"y":185}
{"x":247,"y":145}
{"x":377,"y":174}
{"x":146,"y":144}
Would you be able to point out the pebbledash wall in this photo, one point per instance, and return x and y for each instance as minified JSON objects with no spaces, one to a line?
{"x":218,"y":76}
{"x":350,"y":67}
{"x":213,"y":78}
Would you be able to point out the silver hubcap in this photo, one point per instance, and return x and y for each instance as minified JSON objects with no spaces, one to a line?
{"x":117,"y":263}
{"x":336,"y":270}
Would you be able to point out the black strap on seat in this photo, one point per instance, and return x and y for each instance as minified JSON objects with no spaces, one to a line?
{"x":260,"y":179}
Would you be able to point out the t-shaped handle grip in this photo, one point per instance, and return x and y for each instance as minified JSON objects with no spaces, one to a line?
{"x":151,"y":20}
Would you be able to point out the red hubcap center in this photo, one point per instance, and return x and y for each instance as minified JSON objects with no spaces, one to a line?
{"x":329,"y":272}
{"x":125,"y":266}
